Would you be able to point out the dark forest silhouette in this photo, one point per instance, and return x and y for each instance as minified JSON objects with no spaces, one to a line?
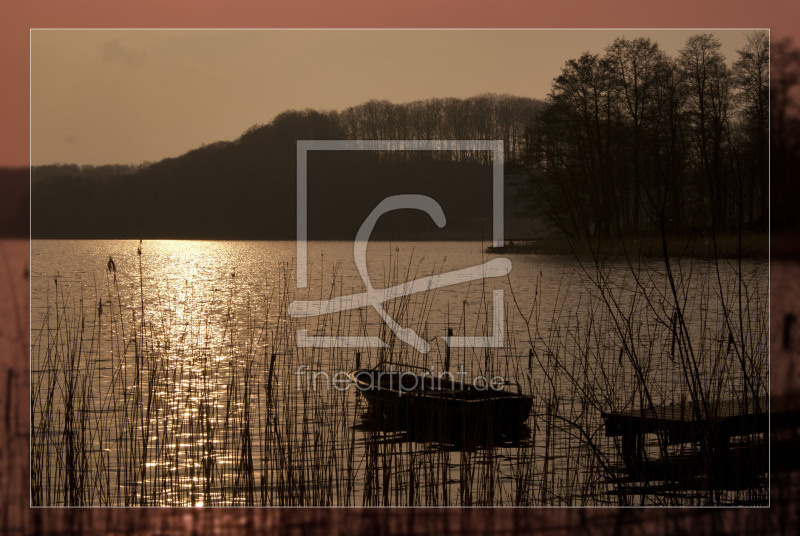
{"x":633,"y":141}
{"x":246,"y":188}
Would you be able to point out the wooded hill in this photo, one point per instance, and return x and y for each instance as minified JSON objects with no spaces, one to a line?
{"x":246,"y":189}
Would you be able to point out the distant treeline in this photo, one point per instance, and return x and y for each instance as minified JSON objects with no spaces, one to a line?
{"x":247,"y":188}
{"x":485,"y":117}
{"x":633,"y":141}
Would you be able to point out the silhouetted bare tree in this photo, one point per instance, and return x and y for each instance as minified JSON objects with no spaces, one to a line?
{"x":634,"y":141}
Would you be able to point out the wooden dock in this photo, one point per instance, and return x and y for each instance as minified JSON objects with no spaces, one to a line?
{"x":706,"y":434}
{"x":517,"y":245}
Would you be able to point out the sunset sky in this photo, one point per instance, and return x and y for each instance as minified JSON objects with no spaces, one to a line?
{"x":781,"y":16}
{"x":128,"y":96}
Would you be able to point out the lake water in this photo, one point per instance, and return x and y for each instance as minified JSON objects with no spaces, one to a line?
{"x":176,"y":377}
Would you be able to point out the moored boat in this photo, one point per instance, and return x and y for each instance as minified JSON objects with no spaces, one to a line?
{"x":413,"y":400}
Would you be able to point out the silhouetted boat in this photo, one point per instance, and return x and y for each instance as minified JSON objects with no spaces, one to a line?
{"x":423,"y":402}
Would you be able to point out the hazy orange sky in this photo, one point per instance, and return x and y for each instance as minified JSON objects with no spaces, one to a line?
{"x":229,"y":119}
{"x":127,"y":96}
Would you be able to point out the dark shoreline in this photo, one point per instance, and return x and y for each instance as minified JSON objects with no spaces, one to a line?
{"x":753,"y":246}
